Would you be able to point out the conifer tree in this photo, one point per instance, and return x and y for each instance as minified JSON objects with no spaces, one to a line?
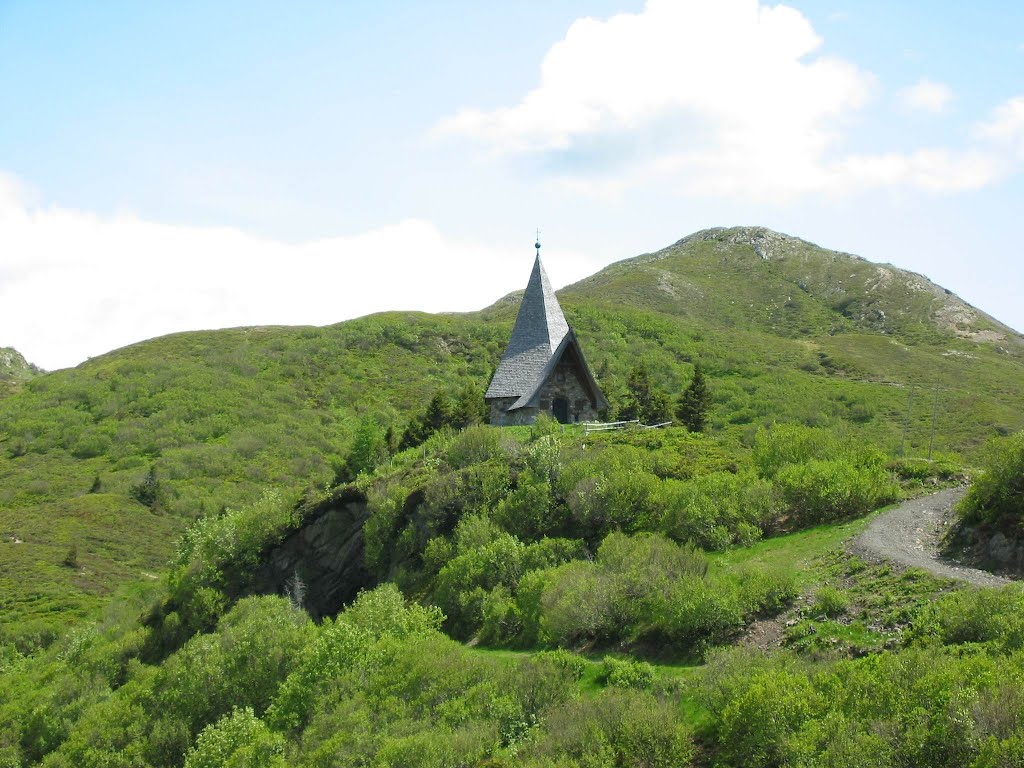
{"x":437,"y":415}
{"x":469,"y":408}
{"x":643,"y":400}
{"x":148,"y":492}
{"x":695,"y":402}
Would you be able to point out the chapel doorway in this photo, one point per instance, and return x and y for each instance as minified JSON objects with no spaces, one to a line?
{"x":560,"y":410}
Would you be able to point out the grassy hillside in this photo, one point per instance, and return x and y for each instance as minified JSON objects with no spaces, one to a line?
{"x":218,"y":416}
{"x":598,"y":639}
{"x":785,"y":331}
{"x":747,"y":301}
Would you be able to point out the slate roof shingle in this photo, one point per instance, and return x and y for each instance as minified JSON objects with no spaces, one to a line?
{"x":539,"y":329}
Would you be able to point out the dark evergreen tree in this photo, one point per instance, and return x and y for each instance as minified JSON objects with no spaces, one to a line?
{"x":469,"y":407}
{"x":638,"y":390}
{"x":643,"y":401}
{"x":695,"y":402}
{"x":149,"y":491}
{"x":659,"y":410}
{"x":437,"y":416}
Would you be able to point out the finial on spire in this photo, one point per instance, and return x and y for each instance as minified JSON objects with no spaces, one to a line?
{"x":537,"y":244}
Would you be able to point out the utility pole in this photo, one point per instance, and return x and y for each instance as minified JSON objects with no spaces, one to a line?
{"x":906,"y":421}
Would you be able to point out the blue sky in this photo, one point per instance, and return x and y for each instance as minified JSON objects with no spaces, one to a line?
{"x":168,"y":166}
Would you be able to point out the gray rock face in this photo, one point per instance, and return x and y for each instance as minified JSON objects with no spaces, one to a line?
{"x":1001,"y":549}
{"x":994,"y":551}
{"x":324,"y":556}
{"x":14,"y":366}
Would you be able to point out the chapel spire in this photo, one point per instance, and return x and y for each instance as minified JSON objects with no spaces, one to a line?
{"x":541,"y":338}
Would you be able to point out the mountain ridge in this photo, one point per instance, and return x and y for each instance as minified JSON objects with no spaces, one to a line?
{"x":953,"y":313}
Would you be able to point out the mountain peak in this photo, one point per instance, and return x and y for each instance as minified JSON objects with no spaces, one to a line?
{"x":759,"y":278}
{"x":767,"y":243}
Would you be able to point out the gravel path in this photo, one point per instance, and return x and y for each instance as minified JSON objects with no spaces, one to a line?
{"x":910,"y":535}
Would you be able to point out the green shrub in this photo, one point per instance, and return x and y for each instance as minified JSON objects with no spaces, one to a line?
{"x":997,"y":495}
{"x":369,"y":447}
{"x":566,"y":660}
{"x":475,"y":445}
{"x":819,"y":491}
{"x":239,"y":740}
{"x":530,"y":511}
{"x":615,"y":498}
{"x":942,"y":468}
{"x":646,"y":585}
{"x":1001,"y":753}
{"x":626,"y":673}
{"x":501,"y":620}
{"x":578,"y":602}
{"x":380,"y":613}
{"x":781,"y":445}
{"x":831,"y":602}
{"x":256,"y":646}
{"x":757,"y":725}
{"x":621,"y":727}
{"x":463,"y":584}
{"x":720,"y":509}
{"x":974,"y":616}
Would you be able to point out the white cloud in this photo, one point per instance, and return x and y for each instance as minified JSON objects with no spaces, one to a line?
{"x":1005,"y":128}
{"x":935,"y":170}
{"x":731,"y":61}
{"x":726,"y":97}
{"x":926,"y":96}
{"x":74,"y":284}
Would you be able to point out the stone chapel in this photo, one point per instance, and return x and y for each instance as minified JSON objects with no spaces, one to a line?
{"x":543,"y":369}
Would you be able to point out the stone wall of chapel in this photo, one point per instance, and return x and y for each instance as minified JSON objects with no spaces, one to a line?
{"x":564,"y":382}
{"x":501,"y":417}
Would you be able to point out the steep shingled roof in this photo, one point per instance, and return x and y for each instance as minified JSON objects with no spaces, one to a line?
{"x":572,"y":347}
{"x":539,"y":329}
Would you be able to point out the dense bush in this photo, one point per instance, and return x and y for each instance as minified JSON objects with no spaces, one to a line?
{"x":975,"y":616}
{"x":646,"y":586}
{"x":240,"y":740}
{"x":214,"y":560}
{"x":997,"y":495}
{"x":617,"y":728}
{"x":463,"y":584}
{"x":720,"y":509}
{"x":819,"y":491}
{"x":912,"y":708}
{"x":537,"y":483}
{"x":782,"y":445}
{"x":626,"y":673}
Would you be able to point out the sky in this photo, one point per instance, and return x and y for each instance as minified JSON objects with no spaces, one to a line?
{"x":170,"y":166}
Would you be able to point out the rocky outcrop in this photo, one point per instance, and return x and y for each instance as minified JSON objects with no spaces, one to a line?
{"x":14,"y":366}
{"x":320,"y":564}
{"x":984,"y":548}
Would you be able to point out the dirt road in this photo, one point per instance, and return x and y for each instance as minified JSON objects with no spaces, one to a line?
{"x":910,"y":535}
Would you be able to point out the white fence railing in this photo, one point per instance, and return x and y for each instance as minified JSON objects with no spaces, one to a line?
{"x":608,"y":426}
